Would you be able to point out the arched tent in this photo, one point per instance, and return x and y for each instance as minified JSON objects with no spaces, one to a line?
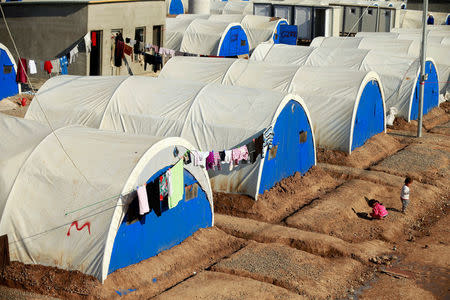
{"x":347,"y":107}
{"x":75,"y":218}
{"x":175,"y":7}
{"x":238,"y":7}
{"x":212,"y":117}
{"x":212,"y":7}
{"x":399,"y":74}
{"x":8,"y":71}
{"x":206,"y":37}
{"x":408,"y":47}
{"x":259,"y":29}
{"x":413,"y":18}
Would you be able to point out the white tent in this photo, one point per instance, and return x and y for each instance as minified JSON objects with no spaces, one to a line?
{"x":212,"y":117}
{"x":408,"y":47}
{"x":259,"y":29}
{"x":347,"y":107}
{"x":71,"y":213}
{"x":398,"y":73}
{"x":204,"y":37}
{"x":238,"y":7}
{"x":8,"y":71}
{"x":413,"y":18}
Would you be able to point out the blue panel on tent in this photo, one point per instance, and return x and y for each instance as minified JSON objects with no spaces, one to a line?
{"x":288,"y":34}
{"x":277,"y":36}
{"x":176,"y":7}
{"x":431,"y":93}
{"x":447,"y":21}
{"x":294,"y":147}
{"x":8,"y":84}
{"x":234,"y":43}
{"x":369,"y":119}
{"x":430,"y":20}
{"x":143,"y":239}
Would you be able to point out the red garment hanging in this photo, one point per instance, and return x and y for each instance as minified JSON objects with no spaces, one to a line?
{"x":94,"y":38}
{"x":48,"y":66}
{"x":22,"y":71}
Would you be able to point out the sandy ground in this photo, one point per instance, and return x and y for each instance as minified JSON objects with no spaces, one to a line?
{"x":308,"y":237}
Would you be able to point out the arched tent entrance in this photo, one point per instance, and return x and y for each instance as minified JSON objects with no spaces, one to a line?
{"x":347,"y":107}
{"x":204,"y":37}
{"x":175,"y":7}
{"x":212,"y":117}
{"x":74,"y":219}
{"x":8,"y":71}
{"x":399,"y":74}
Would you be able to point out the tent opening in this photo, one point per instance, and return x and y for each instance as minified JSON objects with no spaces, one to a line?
{"x":293,"y":147}
{"x":146,"y":238}
{"x":234,"y":43}
{"x":176,"y":7}
{"x":369,"y":119}
{"x":431,"y":92}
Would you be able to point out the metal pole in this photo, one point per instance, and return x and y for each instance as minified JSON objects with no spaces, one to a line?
{"x":422,"y":78}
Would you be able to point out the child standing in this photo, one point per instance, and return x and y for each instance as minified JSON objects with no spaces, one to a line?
{"x":404,"y":196}
{"x":378,"y":210}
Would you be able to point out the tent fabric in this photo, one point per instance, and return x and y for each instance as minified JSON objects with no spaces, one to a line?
{"x":398,"y":74}
{"x":331,"y":95}
{"x":259,"y":29}
{"x":204,"y":37}
{"x":56,"y":214}
{"x":8,"y":71}
{"x":413,"y":18}
{"x":212,"y":117}
{"x":238,"y":7}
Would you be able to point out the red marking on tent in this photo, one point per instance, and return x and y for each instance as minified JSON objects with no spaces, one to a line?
{"x":75,"y":223}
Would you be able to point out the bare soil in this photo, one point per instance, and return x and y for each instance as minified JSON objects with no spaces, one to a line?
{"x":375,"y":149}
{"x":18,"y":110}
{"x":434,"y":117}
{"x":221,"y":286}
{"x":282,"y":200}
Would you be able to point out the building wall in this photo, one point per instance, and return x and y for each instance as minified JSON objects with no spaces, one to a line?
{"x":45,"y":31}
{"x":126,"y":16}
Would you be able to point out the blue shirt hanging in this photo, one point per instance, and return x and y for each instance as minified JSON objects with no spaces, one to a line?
{"x":64,"y":64}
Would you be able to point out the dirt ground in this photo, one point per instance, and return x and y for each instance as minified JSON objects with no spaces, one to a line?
{"x":310,"y":237}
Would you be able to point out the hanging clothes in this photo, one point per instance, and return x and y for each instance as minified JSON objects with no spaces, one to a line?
{"x":94,"y":38}
{"x":48,"y":66}
{"x":73,"y":54}
{"x":210,"y":161}
{"x":118,"y":53}
{"x":163,"y":185}
{"x":88,"y":42}
{"x":128,"y":50}
{"x":56,"y":66}
{"x":157,"y":65}
{"x":143,"y":199}
{"x":21,"y":76}
{"x":32,"y":66}
{"x":200,"y":158}
{"x":177,"y":183}
{"x":153,"y":196}
{"x":63,"y":63}
{"x":217,"y":160}
{"x":239,"y":154}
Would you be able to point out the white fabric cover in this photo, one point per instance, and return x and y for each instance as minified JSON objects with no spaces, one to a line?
{"x":175,"y":29}
{"x":413,"y":18}
{"x":215,"y":7}
{"x":238,"y":7}
{"x":404,"y":44}
{"x":331,"y":95}
{"x":42,"y":193}
{"x":398,"y":73}
{"x":211,"y":117}
{"x":11,"y":58}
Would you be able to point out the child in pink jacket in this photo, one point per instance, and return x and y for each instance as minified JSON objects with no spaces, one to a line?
{"x":378,"y":210}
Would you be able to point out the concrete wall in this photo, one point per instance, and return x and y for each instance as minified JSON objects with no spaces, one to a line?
{"x":126,"y":16}
{"x":45,"y":31}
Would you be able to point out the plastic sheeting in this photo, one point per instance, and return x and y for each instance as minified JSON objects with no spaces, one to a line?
{"x":413,"y":18}
{"x":57,"y":215}
{"x":398,"y":73}
{"x":330,"y":94}
{"x":204,"y":37}
{"x":8,"y":84}
{"x":212,"y":117}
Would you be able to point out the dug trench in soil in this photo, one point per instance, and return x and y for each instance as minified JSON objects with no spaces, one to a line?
{"x":280,"y":201}
{"x":298,"y":271}
{"x":425,"y":259}
{"x":375,"y":149}
{"x":344,"y":213}
{"x":221,"y":286}
{"x":312,"y":242}
{"x":147,"y":278}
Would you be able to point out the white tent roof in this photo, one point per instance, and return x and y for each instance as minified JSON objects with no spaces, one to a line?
{"x":42,"y":193}
{"x":413,"y":18}
{"x":215,"y":7}
{"x":331,"y":95}
{"x":398,"y":73}
{"x":196,"y":35}
{"x":409,"y":47}
{"x":259,"y":29}
{"x":212,"y":117}
{"x":11,"y":58}
{"x":238,"y":7}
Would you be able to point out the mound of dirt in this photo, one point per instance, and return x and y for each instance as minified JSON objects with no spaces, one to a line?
{"x":443,"y":129}
{"x":221,"y":286}
{"x":18,"y":110}
{"x":298,"y":271}
{"x":434,"y":117}
{"x":374,"y":150}
{"x":280,"y":201}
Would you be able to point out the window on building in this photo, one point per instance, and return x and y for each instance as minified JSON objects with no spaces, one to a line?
{"x":139,"y":34}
